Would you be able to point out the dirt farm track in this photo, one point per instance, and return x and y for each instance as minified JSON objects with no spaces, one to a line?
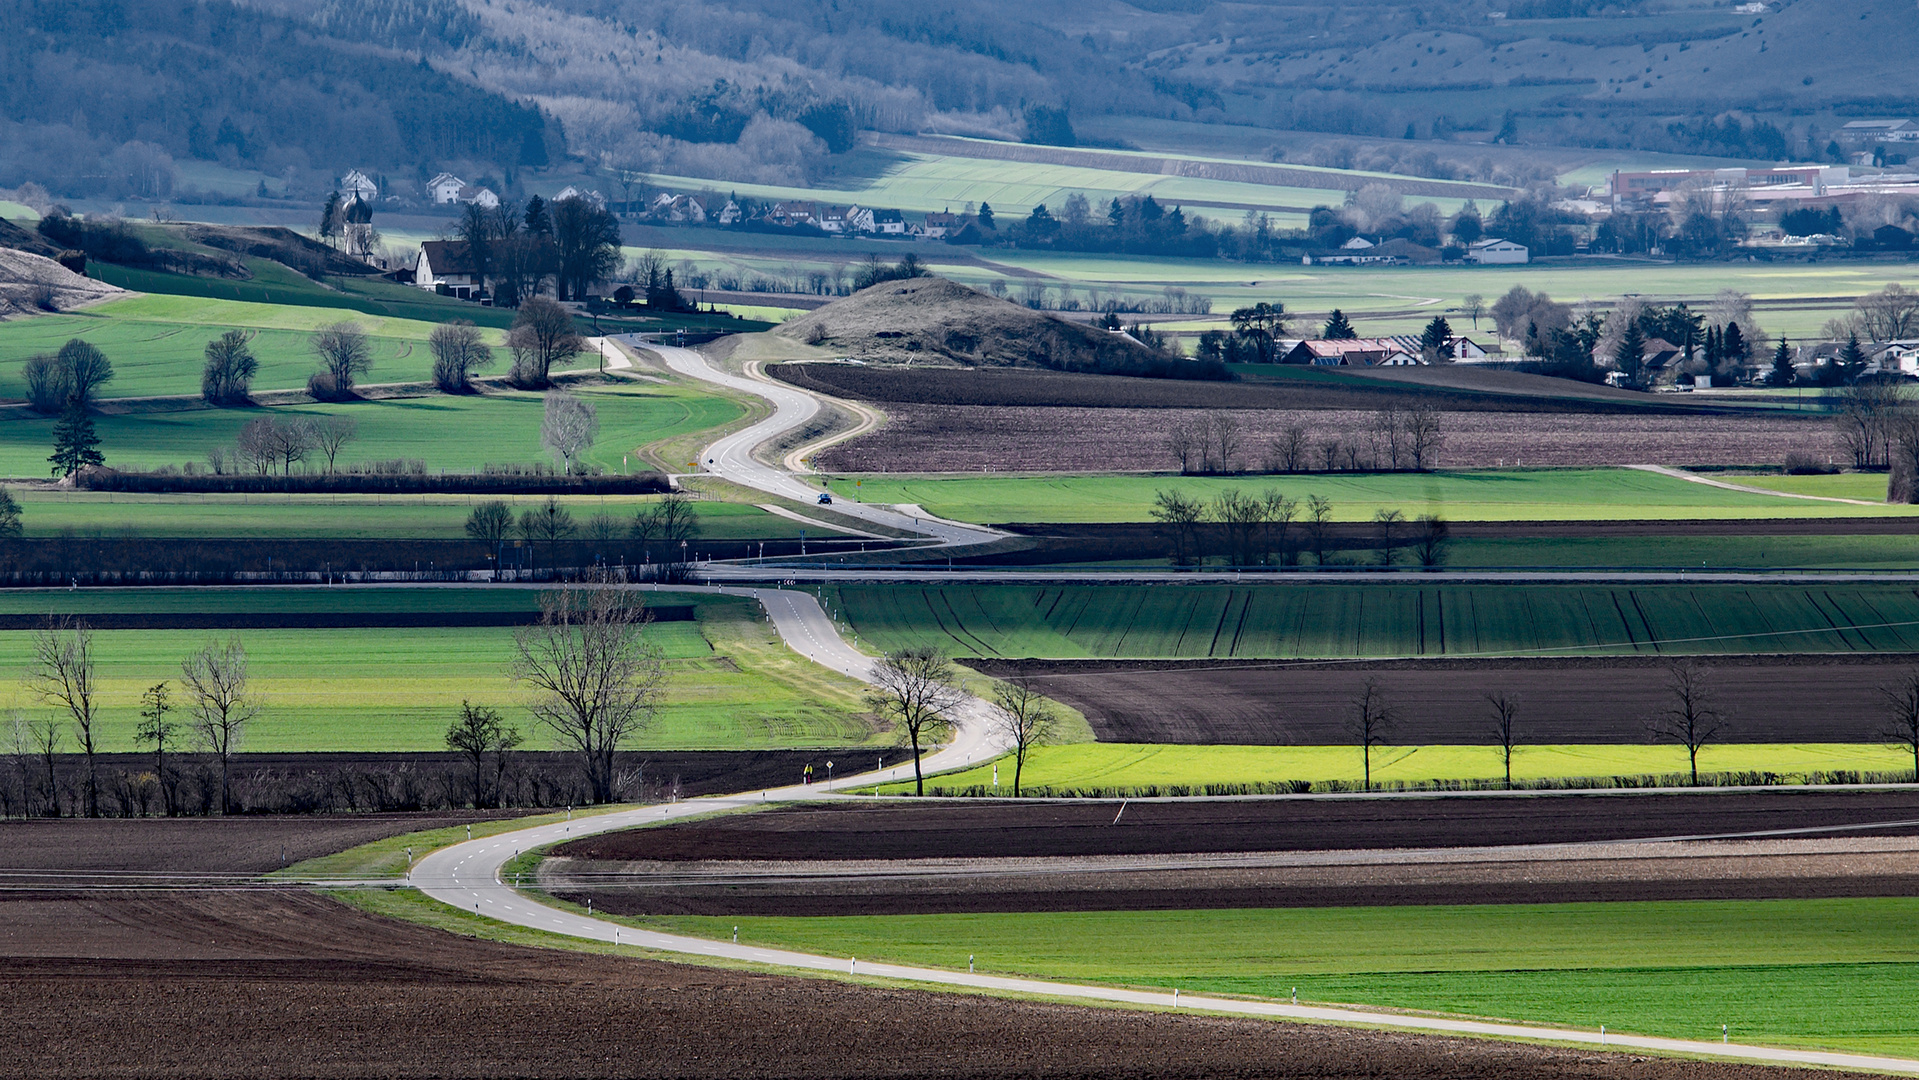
{"x":287,"y":984}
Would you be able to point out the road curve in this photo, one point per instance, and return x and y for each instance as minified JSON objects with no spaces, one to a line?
{"x":731,"y":457}
{"x":468,"y":876}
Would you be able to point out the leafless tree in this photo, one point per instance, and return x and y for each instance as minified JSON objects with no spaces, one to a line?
{"x":255,"y":445}
{"x":1505,"y":709}
{"x":62,"y":676}
{"x":37,"y":737}
{"x":1184,"y":444}
{"x":291,"y":440}
{"x":1388,"y":523}
{"x":1222,"y":429}
{"x":569,"y":427}
{"x":1425,"y":436}
{"x":1024,"y":718}
{"x":480,"y":734}
{"x":1180,"y":513}
{"x":1370,"y":722}
{"x":548,"y":523}
{"x":330,"y":433}
{"x":542,"y":336}
{"x":227,"y":377}
{"x":912,"y":688}
{"x":1281,"y":512}
{"x":159,"y":732}
{"x":1386,"y":434}
{"x":597,"y":680}
{"x":1692,"y":720}
{"x":1474,"y":305}
{"x":1241,"y":517}
{"x":604,"y":527}
{"x":220,"y":704}
{"x":1902,"y":716}
{"x":1891,"y":314}
{"x":1866,"y":412}
{"x":1329,"y":454}
{"x":1319,"y":520}
{"x":344,"y":355}
{"x":1430,"y":544}
{"x":1292,"y":451}
{"x":458,"y":352}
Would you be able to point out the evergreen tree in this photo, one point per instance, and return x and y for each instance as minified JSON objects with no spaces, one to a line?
{"x":75,"y":443}
{"x":1852,"y":359}
{"x":1116,"y":214}
{"x":1782,"y":373}
{"x":1630,"y":356}
{"x":331,"y":222}
{"x":1338,"y":328}
{"x":1732,"y":346}
{"x":1436,"y":335}
{"x":538,"y":221}
{"x":1713,"y":351}
{"x":986,"y":216}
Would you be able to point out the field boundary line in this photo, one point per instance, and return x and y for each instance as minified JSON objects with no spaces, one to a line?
{"x":1681,"y":474}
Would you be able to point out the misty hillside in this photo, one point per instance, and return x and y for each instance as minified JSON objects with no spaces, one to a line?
{"x":776,"y":91}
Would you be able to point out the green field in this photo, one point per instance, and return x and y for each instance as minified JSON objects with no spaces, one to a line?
{"x":1363,"y":620}
{"x":1472,"y":495}
{"x":733,"y":685}
{"x":1111,"y":769}
{"x":448,"y":432}
{"x":1688,"y":552}
{"x":157,"y":343}
{"x":92,"y":514}
{"x":1771,"y":970}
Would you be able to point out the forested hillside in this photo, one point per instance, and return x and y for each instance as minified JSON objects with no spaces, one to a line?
{"x":99,"y":94}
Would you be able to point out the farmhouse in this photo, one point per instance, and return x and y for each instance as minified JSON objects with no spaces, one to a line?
{"x":357,"y":185}
{"x":1400,"y":351}
{"x":445,"y":188}
{"x":1497,"y":252}
{"x":446,"y":266}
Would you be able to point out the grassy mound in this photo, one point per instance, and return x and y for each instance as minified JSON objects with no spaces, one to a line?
{"x":931,"y":319}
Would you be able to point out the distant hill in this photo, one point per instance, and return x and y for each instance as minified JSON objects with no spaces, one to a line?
{"x":931,"y":319}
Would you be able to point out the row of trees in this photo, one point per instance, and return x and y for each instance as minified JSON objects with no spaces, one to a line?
{"x":1259,"y":530}
{"x":1399,"y":437}
{"x":670,"y":522}
{"x":1692,"y":717}
{"x":218,"y":705}
{"x":571,"y":242}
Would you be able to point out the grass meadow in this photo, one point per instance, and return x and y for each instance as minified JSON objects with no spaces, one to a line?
{"x":157,"y":343}
{"x":733,"y":685}
{"x":456,"y":433}
{"x":1465,"y":495}
{"x":1770,"y":970}
{"x":1385,"y":620}
{"x":1107,"y":769}
{"x":51,"y":513}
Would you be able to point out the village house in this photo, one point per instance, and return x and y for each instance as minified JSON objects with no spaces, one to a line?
{"x":445,"y":188}
{"x":889,"y":223}
{"x":357,"y":185}
{"x":939,"y":226}
{"x":790,"y":214}
{"x":446,"y":267}
{"x":730,"y":214}
{"x":1401,"y":351}
{"x":570,"y":192}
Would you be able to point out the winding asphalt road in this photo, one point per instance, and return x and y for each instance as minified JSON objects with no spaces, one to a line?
{"x":468,"y":876}
{"x":731,"y":458}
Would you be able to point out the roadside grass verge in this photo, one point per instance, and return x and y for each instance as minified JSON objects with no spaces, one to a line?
{"x":1147,"y":770}
{"x":1465,"y":495}
{"x":1677,"y":969}
{"x":388,"y":858}
{"x":731,"y":685}
{"x":1345,"y":619}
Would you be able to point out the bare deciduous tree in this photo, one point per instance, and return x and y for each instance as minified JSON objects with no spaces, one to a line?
{"x":1891,"y":314}
{"x":157,"y":731}
{"x":597,"y":681}
{"x":1425,"y":435}
{"x":1180,"y":513}
{"x":1319,"y":519}
{"x":330,"y":433}
{"x":1692,"y":720}
{"x":1292,"y":451}
{"x":1431,"y":541}
{"x":912,"y":688}
{"x":220,"y":704}
{"x":458,"y":352}
{"x":1241,"y":517}
{"x":1505,"y":709}
{"x":542,"y":335}
{"x":344,"y":355}
{"x":1024,"y":718}
{"x":1902,"y":716}
{"x":1281,"y":512}
{"x":568,"y":427}
{"x":1388,"y":523}
{"x":1222,"y":429}
{"x":227,"y":378}
{"x":62,"y":676}
{"x":1370,"y":723}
